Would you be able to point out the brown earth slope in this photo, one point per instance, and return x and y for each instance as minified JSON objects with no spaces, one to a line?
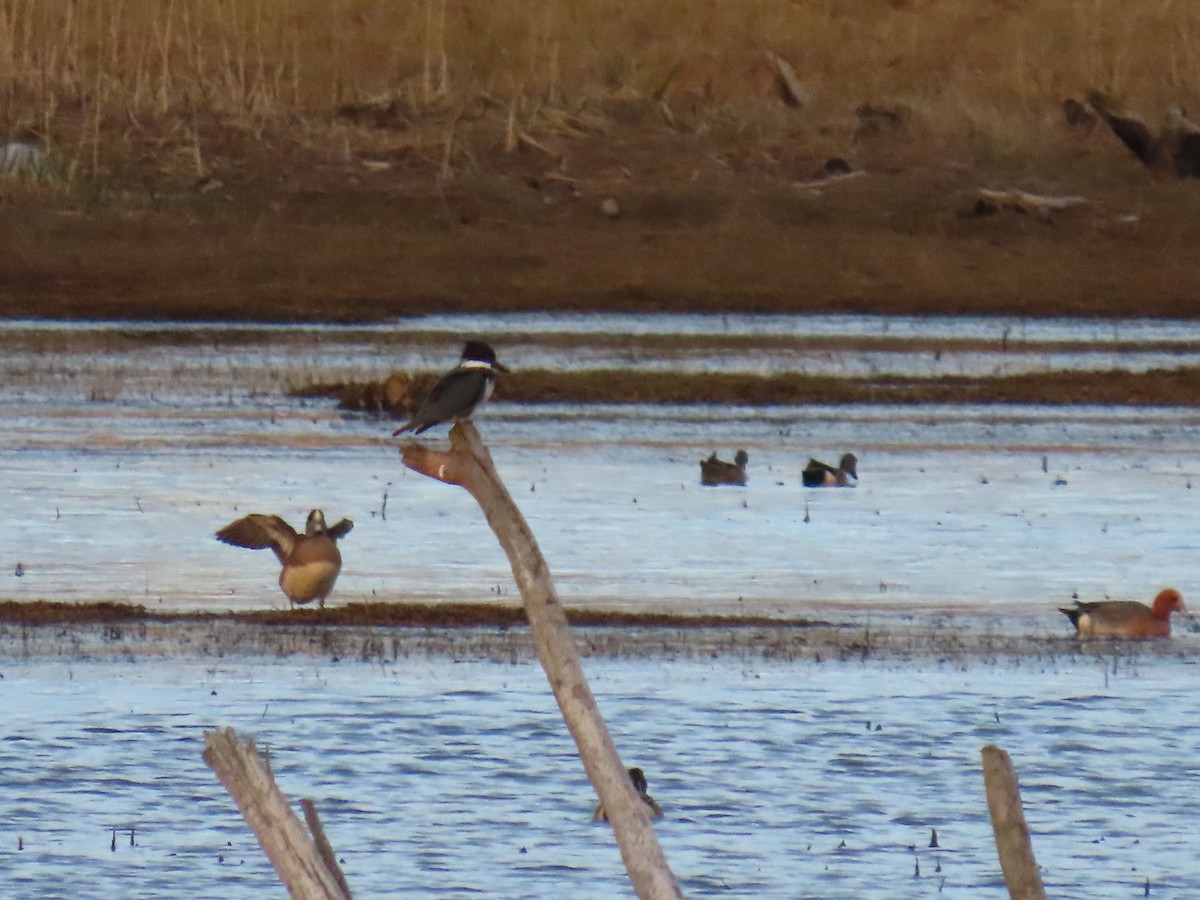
{"x":284,"y":231}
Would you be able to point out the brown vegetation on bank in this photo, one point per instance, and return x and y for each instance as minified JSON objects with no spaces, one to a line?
{"x":1178,"y":387}
{"x":380,"y":632}
{"x":393,"y":615}
{"x":297,"y":161}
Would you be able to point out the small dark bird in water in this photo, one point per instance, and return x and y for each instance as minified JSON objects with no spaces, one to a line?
{"x":311,"y":561}
{"x":715,"y":471}
{"x":638,"y":777}
{"x":818,"y":474}
{"x":460,"y":391}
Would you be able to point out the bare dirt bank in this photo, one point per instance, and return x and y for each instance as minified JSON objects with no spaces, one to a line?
{"x":282,"y":231}
{"x":288,"y":161}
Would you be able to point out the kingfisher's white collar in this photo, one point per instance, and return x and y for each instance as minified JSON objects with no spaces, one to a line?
{"x":475,"y":364}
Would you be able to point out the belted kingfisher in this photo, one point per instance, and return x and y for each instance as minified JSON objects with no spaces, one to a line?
{"x":460,"y":391}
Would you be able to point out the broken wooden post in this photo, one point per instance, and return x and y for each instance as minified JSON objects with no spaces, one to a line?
{"x":324,"y":848}
{"x":1008,"y":826}
{"x":469,"y":465}
{"x":302,"y":867}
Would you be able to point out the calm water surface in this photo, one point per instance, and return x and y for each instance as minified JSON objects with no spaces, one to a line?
{"x":445,"y":780}
{"x":121,"y":451}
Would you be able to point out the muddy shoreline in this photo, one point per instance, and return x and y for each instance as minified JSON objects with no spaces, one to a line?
{"x":387,"y":632}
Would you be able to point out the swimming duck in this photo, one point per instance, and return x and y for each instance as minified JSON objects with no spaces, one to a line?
{"x":715,"y":471}
{"x":818,"y":474}
{"x":1126,"y":618}
{"x":311,"y":561}
{"x":638,"y":777}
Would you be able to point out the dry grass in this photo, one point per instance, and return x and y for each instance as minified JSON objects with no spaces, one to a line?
{"x":105,"y":80}
{"x":360,"y":159}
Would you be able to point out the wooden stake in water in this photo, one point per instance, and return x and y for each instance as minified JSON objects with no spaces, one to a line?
{"x":1008,"y":826}
{"x":307,"y":870}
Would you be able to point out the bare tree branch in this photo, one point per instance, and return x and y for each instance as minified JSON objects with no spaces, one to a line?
{"x":324,"y":848}
{"x":469,"y":464}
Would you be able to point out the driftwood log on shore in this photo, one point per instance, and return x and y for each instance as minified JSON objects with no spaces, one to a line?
{"x":469,"y":465}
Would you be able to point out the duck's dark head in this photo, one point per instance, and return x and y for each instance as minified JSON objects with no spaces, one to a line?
{"x":315,"y":523}
{"x":849,"y":465}
{"x":638,"y":777}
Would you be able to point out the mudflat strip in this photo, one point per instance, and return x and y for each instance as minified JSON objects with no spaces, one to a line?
{"x":384,"y":632}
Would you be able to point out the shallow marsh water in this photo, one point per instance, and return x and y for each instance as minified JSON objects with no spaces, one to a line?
{"x":445,"y":780}
{"x":125,"y":447}
{"x":119,"y":462}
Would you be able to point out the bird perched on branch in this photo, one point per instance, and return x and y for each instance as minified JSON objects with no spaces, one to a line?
{"x":1126,"y":618}
{"x":311,"y":561}
{"x":460,"y":391}
{"x":818,"y":474}
{"x":715,"y":471}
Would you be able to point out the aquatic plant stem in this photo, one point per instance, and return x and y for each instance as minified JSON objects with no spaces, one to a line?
{"x":469,"y":465}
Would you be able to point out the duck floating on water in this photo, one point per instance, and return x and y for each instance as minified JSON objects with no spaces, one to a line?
{"x":715,"y":471}
{"x":1127,"y":619}
{"x":819,"y":474}
{"x":638,"y":777}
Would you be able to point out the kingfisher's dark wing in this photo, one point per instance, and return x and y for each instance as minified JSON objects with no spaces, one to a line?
{"x":456,"y":394}
{"x":340,"y":530}
{"x":257,"y":532}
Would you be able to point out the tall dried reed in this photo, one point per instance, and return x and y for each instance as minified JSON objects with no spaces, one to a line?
{"x":87,"y":70}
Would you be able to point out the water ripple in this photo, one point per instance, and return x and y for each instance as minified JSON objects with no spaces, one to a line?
{"x":803,"y":779}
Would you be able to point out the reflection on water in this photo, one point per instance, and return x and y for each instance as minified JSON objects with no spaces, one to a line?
{"x":447,"y":780}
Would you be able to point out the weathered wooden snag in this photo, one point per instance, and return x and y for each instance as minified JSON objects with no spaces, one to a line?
{"x":304,"y":862}
{"x":1008,"y":825}
{"x":469,"y":465}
